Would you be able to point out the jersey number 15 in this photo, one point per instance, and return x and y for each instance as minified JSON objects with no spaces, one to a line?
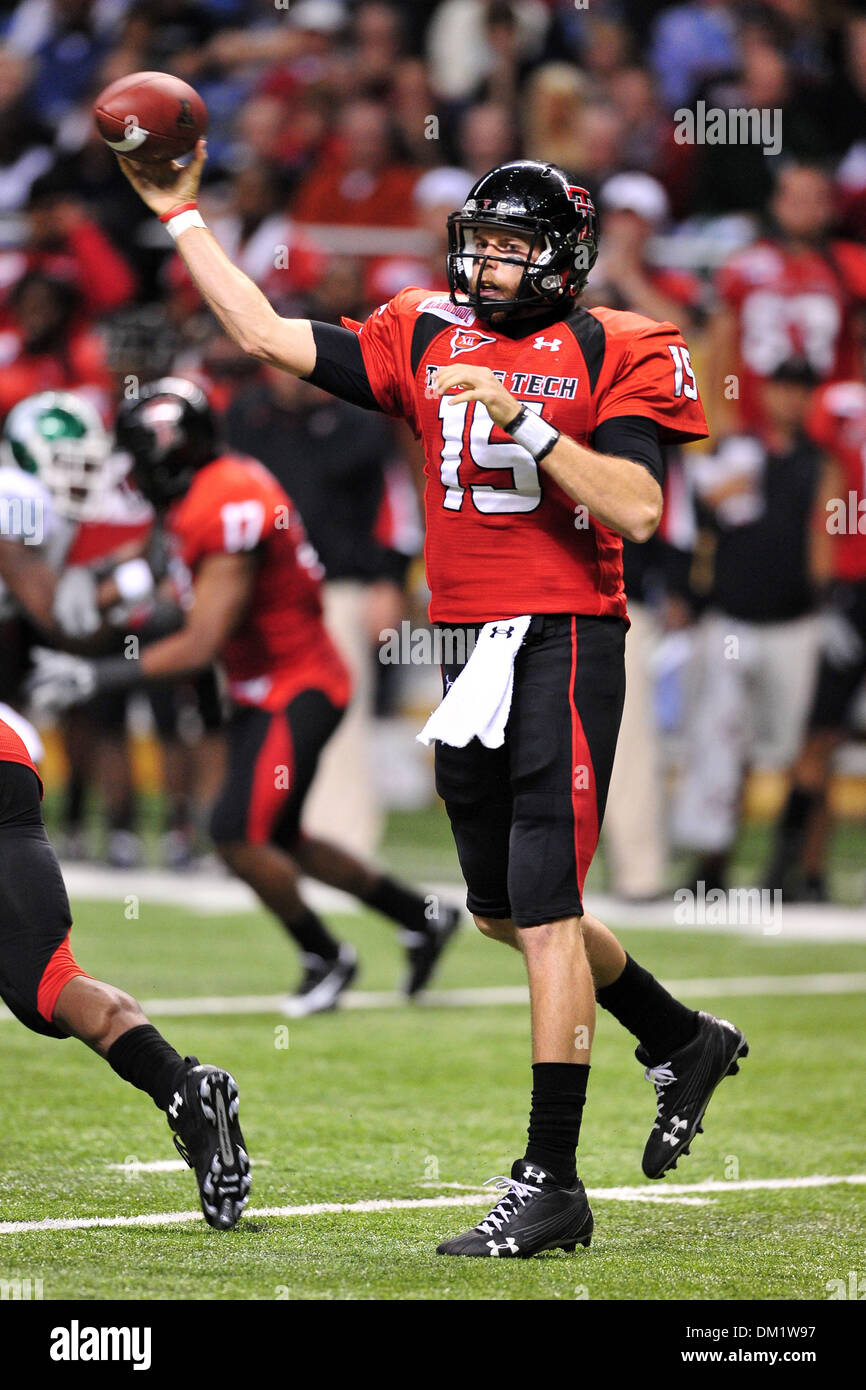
{"x":523,"y":494}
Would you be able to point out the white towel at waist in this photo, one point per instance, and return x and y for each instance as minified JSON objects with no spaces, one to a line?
{"x":478,"y":703}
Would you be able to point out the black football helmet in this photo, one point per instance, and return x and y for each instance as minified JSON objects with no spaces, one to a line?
{"x":171,"y":431}
{"x":537,"y":201}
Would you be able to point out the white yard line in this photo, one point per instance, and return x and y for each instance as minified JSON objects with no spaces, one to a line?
{"x":210,"y":891}
{"x":797,"y":921}
{"x":489,"y":996}
{"x":756,"y":1184}
{"x":723,"y":986}
{"x":166,"y":1165}
{"x":203,"y":893}
{"x":690,"y":1194}
{"x":842,"y":982}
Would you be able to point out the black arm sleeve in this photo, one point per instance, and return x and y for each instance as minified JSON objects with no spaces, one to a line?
{"x":340,"y":366}
{"x":632,"y":437}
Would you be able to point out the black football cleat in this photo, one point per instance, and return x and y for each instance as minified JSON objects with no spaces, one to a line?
{"x":684,"y":1086}
{"x":534,"y":1214}
{"x":424,"y":951}
{"x":323,"y":983}
{"x":204,"y":1118}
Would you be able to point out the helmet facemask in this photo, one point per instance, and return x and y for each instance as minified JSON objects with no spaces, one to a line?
{"x":557,"y":219}
{"x":554,"y":266}
{"x":79,"y":476}
{"x":61,"y":439}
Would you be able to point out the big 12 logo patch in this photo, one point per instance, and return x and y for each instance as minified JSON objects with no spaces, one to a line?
{"x":467,"y":340}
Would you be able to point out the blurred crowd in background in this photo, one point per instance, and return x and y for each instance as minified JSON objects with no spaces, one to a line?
{"x":341,"y":135}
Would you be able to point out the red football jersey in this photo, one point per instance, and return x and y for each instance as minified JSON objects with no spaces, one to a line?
{"x":792,"y":305}
{"x":281,"y":646}
{"x":12,"y":750}
{"x":837,"y":422}
{"x":124,"y":516}
{"x":502,"y":538}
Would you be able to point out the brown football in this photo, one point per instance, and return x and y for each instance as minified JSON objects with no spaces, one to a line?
{"x":150,"y":116}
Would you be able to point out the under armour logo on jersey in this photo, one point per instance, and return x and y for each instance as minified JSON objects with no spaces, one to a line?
{"x":553,"y":343}
{"x":510,"y":1245}
{"x":676,"y":1124}
{"x":529,"y":1174}
{"x":176,"y":1103}
{"x":462,"y":340}
{"x":501,"y":631}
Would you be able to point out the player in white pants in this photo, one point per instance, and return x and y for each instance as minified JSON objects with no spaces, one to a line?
{"x":752,"y":684}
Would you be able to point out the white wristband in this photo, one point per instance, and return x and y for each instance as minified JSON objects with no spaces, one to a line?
{"x":134,"y":580}
{"x":176,"y":225}
{"x":532,"y":433}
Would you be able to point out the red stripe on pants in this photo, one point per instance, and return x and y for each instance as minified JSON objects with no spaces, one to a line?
{"x":584,"y":800}
{"x":272,"y":780}
{"x":61,"y":968}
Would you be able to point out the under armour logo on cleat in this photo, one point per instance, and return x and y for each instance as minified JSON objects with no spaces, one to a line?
{"x":530,"y":1173}
{"x":177,"y":1102}
{"x":676,"y":1124}
{"x":510,"y":1245}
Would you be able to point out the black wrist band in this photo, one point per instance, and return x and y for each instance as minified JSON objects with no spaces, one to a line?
{"x":517,"y":421}
{"x":117,"y":673}
{"x":545,"y":450}
{"x":532,"y":433}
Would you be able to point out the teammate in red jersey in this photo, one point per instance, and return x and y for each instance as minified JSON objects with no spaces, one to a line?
{"x":256,"y":607}
{"x":46,"y":989}
{"x":837,"y":423}
{"x":796,"y":292}
{"x":541,"y":424}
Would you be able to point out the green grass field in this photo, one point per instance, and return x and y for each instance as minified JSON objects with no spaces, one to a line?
{"x":401,"y":1103}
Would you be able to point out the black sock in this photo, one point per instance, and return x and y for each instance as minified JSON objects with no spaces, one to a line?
{"x":179,"y":814}
{"x":712,"y":870}
{"x":142,"y":1057}
{"x":791,"y":834}
{"x":312,"y":935}
{"x":123,"y":817}
{"x":400,"y":904}
{"x":797,"y":809}
{"x":558,"y":1098}
{"x":660,"y":1023}
{"x":73,"y":811}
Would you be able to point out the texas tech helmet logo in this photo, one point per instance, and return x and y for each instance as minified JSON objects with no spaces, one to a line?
{"x":162,"y":417}
{"x":464,"y":340}
{"x":578,"y":195}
